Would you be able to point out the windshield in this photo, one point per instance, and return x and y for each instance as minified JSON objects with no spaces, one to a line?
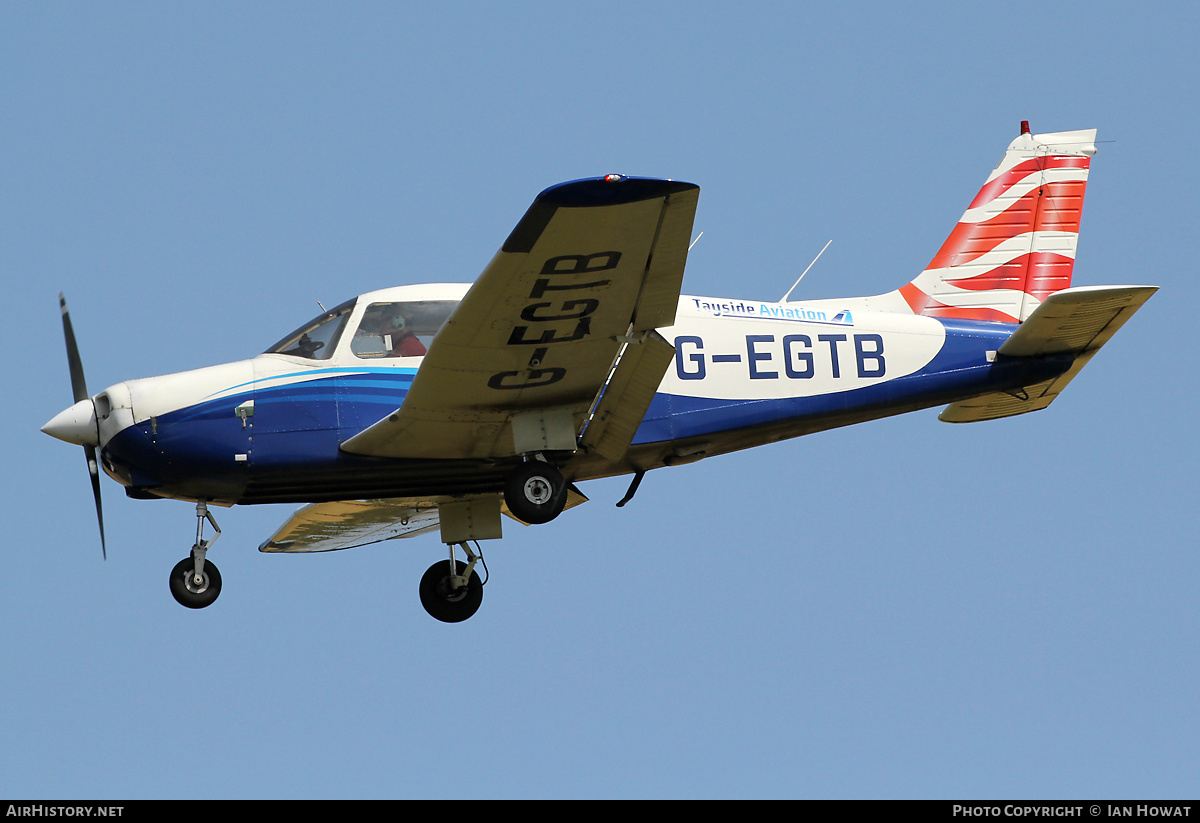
{"x":400,"y":329}
{"x":316,"y":339}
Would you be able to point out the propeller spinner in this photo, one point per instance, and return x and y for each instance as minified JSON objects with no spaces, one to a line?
{"x":78,"y":423}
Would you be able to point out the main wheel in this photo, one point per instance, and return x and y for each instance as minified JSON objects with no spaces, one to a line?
{"x":535,"y":492}
{"x":184,"y":588}
{"x":444,"y":603}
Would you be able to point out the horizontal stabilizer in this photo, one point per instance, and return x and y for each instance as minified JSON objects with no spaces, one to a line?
{"x":1076,"y":320}
{"x":1073,"y":321}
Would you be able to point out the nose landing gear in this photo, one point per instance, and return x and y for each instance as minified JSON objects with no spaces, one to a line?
{"x":195,"y":582}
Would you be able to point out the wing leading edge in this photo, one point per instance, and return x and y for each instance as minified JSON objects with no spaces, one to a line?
{"x":592,"y":265}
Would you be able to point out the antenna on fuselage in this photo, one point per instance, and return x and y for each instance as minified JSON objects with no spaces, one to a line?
{"x":801,"y":277}
{"x":323,"y":309}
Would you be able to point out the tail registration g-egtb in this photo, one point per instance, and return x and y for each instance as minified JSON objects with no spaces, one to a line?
{"x":440,"y":408}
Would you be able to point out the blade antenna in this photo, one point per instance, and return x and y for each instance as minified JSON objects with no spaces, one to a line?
{"x":801,"y":277}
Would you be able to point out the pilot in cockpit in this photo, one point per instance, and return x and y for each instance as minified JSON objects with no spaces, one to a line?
{"x":404,"y":341}
{"x":391,"y":327}
{"x":400,"y":328}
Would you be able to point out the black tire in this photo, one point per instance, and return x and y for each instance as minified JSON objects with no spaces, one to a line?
{"x":535,"y":492}
{"x":187,"y":594}
{"x":447,"y":605}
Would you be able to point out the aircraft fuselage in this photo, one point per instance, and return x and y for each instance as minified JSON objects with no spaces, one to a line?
{"x":269,"y":429}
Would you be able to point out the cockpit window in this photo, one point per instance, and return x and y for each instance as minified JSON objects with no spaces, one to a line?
{"x":317,"y":339}
{"x":400,"y":329}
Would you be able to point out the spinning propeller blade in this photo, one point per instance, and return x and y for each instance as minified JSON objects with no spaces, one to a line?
{"x":80,"y":392}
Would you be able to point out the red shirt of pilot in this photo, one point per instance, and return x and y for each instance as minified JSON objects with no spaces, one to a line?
{"x":408,"y":346}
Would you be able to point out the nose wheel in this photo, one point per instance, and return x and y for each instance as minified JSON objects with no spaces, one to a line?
{"x":195,"y":581}
{"x":192,"y":590}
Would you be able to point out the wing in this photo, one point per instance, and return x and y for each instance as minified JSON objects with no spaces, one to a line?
{"x":591,"y":265}
{"x":347,"y":524}
{"x":326,"y":527}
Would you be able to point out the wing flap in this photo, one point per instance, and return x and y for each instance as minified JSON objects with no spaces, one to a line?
{"x":627,"y":396}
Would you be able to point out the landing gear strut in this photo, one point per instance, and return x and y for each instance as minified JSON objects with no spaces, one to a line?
{"x":451,"y":591}
{"x":195,"y":582}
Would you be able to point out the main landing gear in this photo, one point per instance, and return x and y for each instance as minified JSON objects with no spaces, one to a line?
{"x":451,"y":591}
{"x":535,"y":492}
{"x":195,"y":582}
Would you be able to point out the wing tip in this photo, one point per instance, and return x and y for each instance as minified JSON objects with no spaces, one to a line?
{"x":611,"y":190}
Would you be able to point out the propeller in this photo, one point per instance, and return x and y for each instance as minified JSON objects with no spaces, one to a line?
{"x":79,"y":389}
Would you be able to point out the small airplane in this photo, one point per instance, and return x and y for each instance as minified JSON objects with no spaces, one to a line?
{"x":574,"y":356}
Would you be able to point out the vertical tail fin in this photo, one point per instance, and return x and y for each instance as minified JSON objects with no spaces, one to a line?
{"x":1015,"y":245}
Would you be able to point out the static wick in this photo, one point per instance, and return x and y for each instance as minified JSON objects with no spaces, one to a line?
{"x":697,"y":240}
{"x":801,"y":277}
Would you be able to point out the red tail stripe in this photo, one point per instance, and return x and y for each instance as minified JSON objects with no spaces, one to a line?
{"x":922,"y":303}
{"x":1047,"y":273}
{"x":917,"y":300}
{"x":1061,"y":206}
{"x":994,"y":188}
{"x":1059,"y":209}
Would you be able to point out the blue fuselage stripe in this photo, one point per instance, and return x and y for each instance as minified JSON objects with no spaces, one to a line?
{"x":298,"y":424}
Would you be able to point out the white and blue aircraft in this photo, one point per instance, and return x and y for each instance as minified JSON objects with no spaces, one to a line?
{"x":574,"y":356}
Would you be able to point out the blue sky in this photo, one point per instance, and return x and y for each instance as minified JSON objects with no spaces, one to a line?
{"x":899,"y":609}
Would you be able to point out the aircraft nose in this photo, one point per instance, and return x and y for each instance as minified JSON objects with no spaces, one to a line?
{"x":75,"y":425}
